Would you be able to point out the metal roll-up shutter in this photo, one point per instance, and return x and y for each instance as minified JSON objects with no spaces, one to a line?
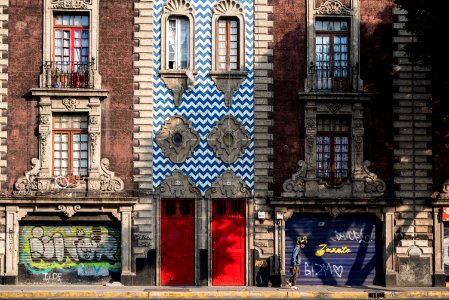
{"x":51,"y":254}
{"x":340,"y":251}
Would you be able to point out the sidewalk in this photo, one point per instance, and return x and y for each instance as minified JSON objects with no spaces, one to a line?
{"x":305,"y":292}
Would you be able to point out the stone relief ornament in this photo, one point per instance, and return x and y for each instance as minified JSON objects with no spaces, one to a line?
{"x":228,"y":185}
{"x":228,"y":139}
{"x":296,"y":183}
{"x":228,"y":7}
{"x":178,"y":7}
{"x":177,"y":139}
{"x":373,"y":184}
{"x":69,"y":210}
{"x":333,"y":7}
{"x":71,"y":4}
{"x":70,"y":104}
{"x":28,"y":184}
{"x":334,"y":107}
{"x":178,"y":185}
{"x":108,"y":181}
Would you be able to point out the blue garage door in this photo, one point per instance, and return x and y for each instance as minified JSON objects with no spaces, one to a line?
{"x":341,"y":251}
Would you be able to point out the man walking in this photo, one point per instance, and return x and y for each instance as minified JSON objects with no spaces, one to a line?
{"x":301,"y":242}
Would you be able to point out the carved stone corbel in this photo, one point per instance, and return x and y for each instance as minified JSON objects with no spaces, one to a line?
{"x":228,"y":82}
{"x":228,"y":185}
{"x":178,"y":185}
{"x":295,"y":186}
{"x":178,"y":82}
{"x":69,"y":210}
{"x":108,"y":181}
{"x":373,"y":184}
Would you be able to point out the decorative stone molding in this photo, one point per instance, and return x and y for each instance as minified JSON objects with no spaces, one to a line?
{"x":228,"y":82}
{"x":296,"y":185}
{"x":330,"y":9}
{"x":87,"y":7}
{"x":228,"y":185}
{"x":70,"y":4}
{"x":178,"y":185}
{"x":177,"y":139}
{"x":333,"y":7}
{"x":228,"y":139}
{"x":178,"y":82}
{"x":70,"y":104}
{"x":334,"y":107}
{"x":40,"y":180}
{"x":362,"y":183}
{"x":69,"y":210}
{"x":109,"y":183}
{"x":335,"y":211}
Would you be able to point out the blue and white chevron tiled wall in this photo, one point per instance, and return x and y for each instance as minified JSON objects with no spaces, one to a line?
{"x":204,"y":105}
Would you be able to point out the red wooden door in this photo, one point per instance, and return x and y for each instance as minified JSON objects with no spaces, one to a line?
{"x":228,"y":242}
{"x":177,"y":242}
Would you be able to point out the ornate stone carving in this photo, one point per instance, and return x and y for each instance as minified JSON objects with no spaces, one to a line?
{"x":93,"y":120}
{"x":178,"y":185}
{"x":228,"y":7}
{"x":44,"y":145}
{"x":228,"y":185}
{"x":178,"y":7}
{"x":229,"y":139}
{"x":333,"y":7}
{"x":28,"y":184}
{"x":310,"y":123}
{"x":296,"y":183}
{"x":373,"y":184}
{"x":70,"y":104}
{"x":177,"y":139}
{"x":94,"y":146}
{"x":69,"y":210}
{"x":334,"y":107}
{"x":70,"y":4}
{"x":228,"y":82}
{"x":335,"y":211}
{"x":178,"y":82}
{"x":45,"y":119}
{"x":108,"y":181}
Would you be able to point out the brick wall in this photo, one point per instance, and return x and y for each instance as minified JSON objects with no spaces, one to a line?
{"x":3,"y":91}
{"x":116,"y":69}
{"x":24,"y":63}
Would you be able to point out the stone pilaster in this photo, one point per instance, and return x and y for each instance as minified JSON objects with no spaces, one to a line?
{"x":143,"y":94}
{"x":413,"y":153}
{"x":263,"y":138}
{"x":3,"y":90}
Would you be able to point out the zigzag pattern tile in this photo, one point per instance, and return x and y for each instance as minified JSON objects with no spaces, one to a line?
{"x":204,"y":105}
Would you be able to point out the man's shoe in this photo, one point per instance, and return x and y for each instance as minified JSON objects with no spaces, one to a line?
{"x":294,"y":287}
{"x":289,"y":283}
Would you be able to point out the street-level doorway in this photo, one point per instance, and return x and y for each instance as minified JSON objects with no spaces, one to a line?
{"x":228,"y":242}
{"x":177,"y":242}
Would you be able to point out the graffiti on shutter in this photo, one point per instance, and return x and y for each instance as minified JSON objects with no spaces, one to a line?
{"x":57,"y":254}
{"x":344,"y":250}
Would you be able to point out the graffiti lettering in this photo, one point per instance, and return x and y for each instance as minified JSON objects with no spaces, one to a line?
{"x":322,"y":270}
{"x":84,"y":250}
{"x":49,"y":248}
{"x":351,"y":235}
{"x":52,"y":277}
{"x":143,"y":239}
{"x":324,"y":249}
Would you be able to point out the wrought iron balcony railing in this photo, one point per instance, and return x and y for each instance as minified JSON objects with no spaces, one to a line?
{"x":68,"y":74}
{"x":333,"y":79}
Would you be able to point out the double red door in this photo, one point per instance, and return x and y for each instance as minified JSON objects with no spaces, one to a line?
{"x":177,"y":242}
{"x":228,"y":242}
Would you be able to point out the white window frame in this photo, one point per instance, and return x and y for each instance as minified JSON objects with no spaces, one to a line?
{"x":181,"y":24}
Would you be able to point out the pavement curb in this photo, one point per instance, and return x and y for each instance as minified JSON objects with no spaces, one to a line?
{"x":288,"y":294}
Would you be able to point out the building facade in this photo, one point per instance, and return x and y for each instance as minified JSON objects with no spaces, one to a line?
{"x":189,"y":142}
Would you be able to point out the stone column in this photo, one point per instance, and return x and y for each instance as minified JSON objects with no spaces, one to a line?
{"x":12,"y":245}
